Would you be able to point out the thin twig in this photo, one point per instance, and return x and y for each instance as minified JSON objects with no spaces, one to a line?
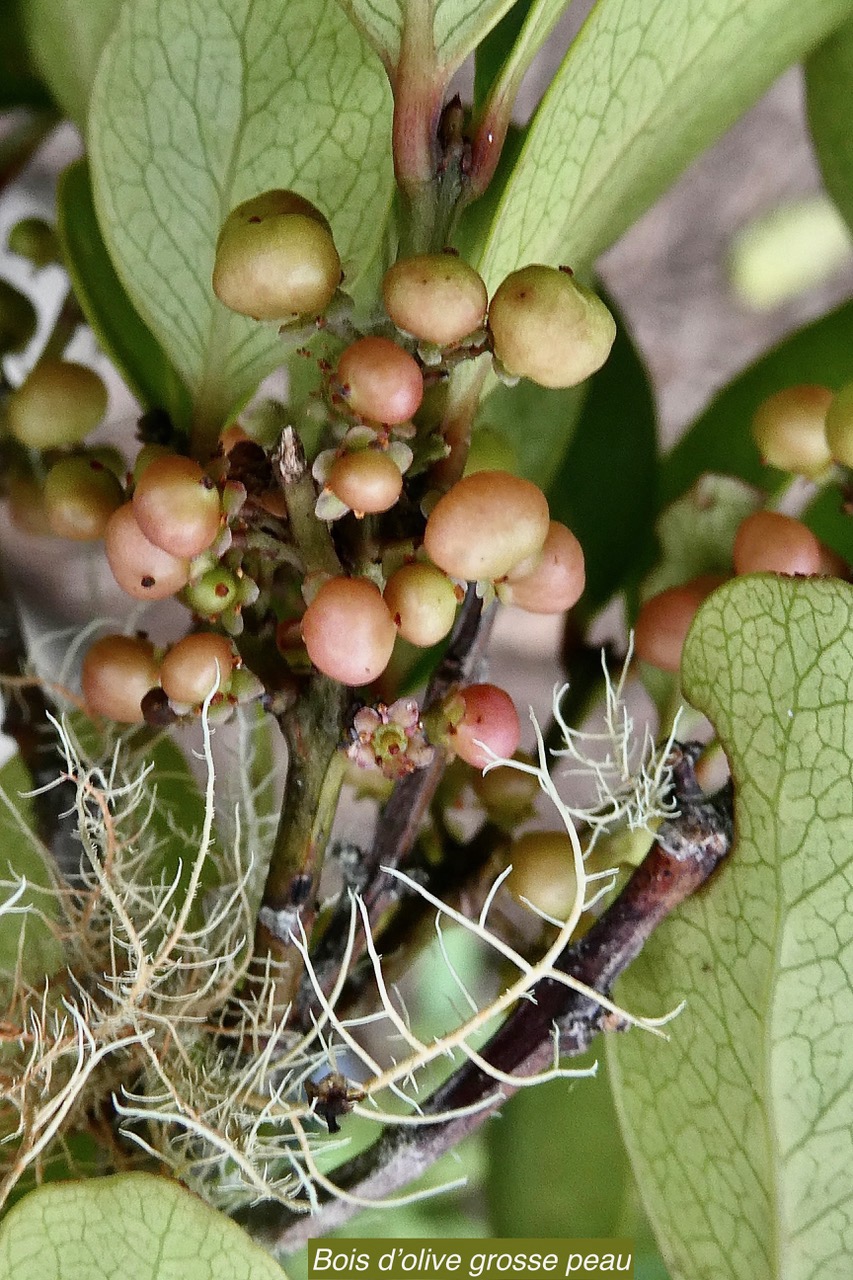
{"x":688,"y":849}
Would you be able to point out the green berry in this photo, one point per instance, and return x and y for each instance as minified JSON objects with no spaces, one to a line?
{"x":57,"y":405}
{"x":276,"y":259}
{"x":80,"y":495}
{"x":214,"y":592}
{"x":35,"y":240}
{"x":839,"y":426}
{"x":548,"y":328}
{"x":543,"y":872}
{"x":789,"y":429}
{"x":422,"y":601}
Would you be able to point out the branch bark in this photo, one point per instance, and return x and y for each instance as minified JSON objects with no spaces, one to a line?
{"x":688,"y":849}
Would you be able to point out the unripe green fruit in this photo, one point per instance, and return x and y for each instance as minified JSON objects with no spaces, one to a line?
{"x":177,"y":506}
{"x":380,"y":381}
{"x":489,"y":726}
{"x":507,"y":795}
{"x":490,"y":451}
{"x":422,"y":601}
{"x":664,"y":620}
{"x":547,"y":327}
{"x":214,"y":592}
{"x":57,"y":405}
{"x":839,"y":426}
{"x":557,"y":580}
{"x":18,"y":319}
{"x":276,"y":259}
{"x":147,"y":454}
{"x":543,"y":872}
{"x":196,"y":666}
{"x":769,"y":542}
{"x":789,"y":430}
{"x":348,"y":631}
{"x":117,"y":673}
{"x":368,"y":481}
{"x":80,"y":495}
{"x":26,"y":505}
{"x":140,"y":568}
{"x":486,"y":525}
{"x":35,"y":240}
{"x":436,"y":297}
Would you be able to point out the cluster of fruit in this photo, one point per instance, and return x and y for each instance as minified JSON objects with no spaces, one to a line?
{"x":803,"y":430}
{"x":177,"y":525}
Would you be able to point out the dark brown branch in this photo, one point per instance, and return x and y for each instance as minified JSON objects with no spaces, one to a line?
{"x":403,"y":815}
{"x":688,"y":849}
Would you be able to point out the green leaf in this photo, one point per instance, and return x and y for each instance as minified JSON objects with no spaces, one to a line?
{"x":458,"y":26}
{"x":199,"y":106}
{"x":606,"y":487}
{"x":67,"y":38}
{"x":132,"y":1225}
{"x":23,"y":857}
{"x":720,"y":439}
{"x":525,"y":30}
{"x":829,"y":80}
{"x":493,"y":51}
{"x":697,"y":532}
{"x":740,"y":1125}
{"x":538,"y":421}
{"x":643,"y":90}
{"x":122,"y":333}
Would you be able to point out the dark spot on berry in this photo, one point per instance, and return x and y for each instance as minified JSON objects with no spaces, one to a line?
{"x":221,"y":590}
{"x":207,"y":483}
{"x":255,"y":218}
{"x":148,"y":583}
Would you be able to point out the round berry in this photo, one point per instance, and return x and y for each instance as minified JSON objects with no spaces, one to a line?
{"x":368,"y":481}
{"x":140,"y":568}
{"x":18,"y":320}
{"x":839,"y":426}
{"x":768,"y":542}
{"x":276,"y":258}
{"x":543,"y":872}
{"x":422,"y":601}
{"x":436,"y":297}
{"x":196,"y":666}
{"x":486,"y":525}
{"x":35,"y":240}
{"x":380,"y":380}
{"x":507,"y":794}
{"x":547,"y":327}
{"x":80,"y":495}
{"x":348,"y":630}
{"x":489,"y":726}
{"x":556,"y":581}
{"x":117,"y":673}
{"x":213,"y":593}
{"x":664,"y":620}
{"x":57,"y":405}
{"x":26,"y":504}
{"x":177,"y":506}
{"x":789,"y":430}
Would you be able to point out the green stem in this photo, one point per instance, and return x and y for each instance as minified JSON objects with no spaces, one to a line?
{"x":70,"y":317}
{"x":311,"y":535}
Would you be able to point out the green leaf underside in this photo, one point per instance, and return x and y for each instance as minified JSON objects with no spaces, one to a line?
{"x":606,"y":487}
{"x":538,"y":421}
{"x":740,"y":1126}
{"x":67,"y":38}
{"x":22,"y":855}
{"x":642,"y":91}
{"x":829,"y":76}
{"x":458,"y":25}
{"x":201,"y":105}
{"x":493,"y":51}
{"x":720,"y":440}
{"x":132,"y":1226}
{"x":120,"y":330}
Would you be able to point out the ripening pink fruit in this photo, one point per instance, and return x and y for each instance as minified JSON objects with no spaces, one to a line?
{"x":380,"y":380}
{"x":664,"y":620}
{"x":368,"y":481}
{"x":490,"y":719}
{"x":177,"y":506}
{"x":556,"y":582}
{"x":486,"y":525}
{"x":117,"y":673}
{"x":195,"y":666}
{"x":769,"y":542}
{"x":140,"y":568}
{"x":436,"y":297}
{"x":348,"y":631}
